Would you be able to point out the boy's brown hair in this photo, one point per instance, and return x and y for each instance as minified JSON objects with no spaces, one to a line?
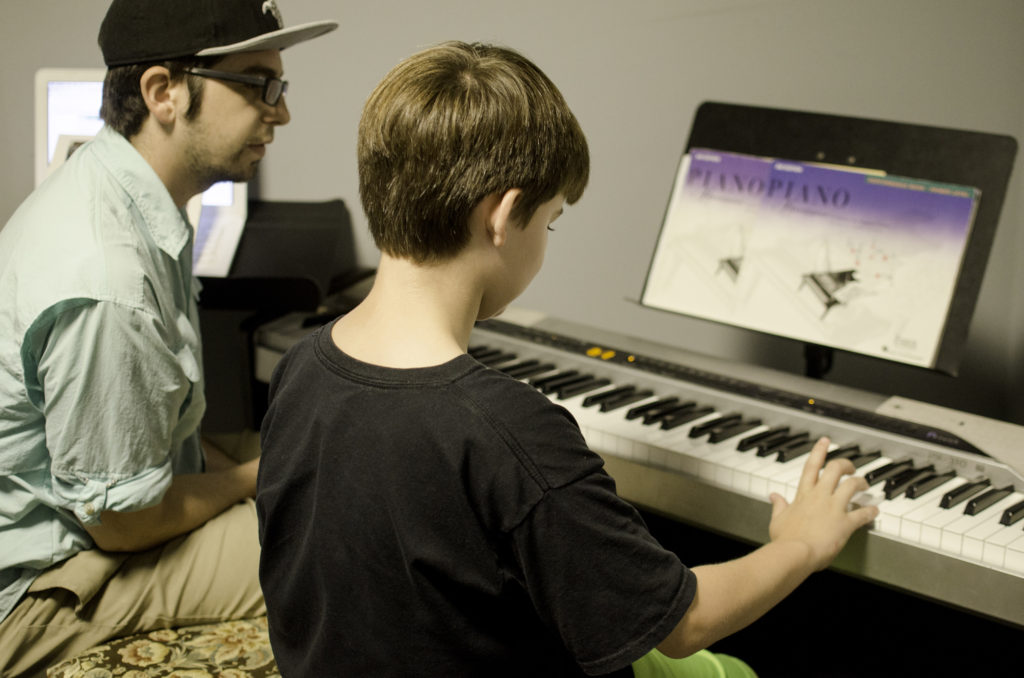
{"x":451,"y":125}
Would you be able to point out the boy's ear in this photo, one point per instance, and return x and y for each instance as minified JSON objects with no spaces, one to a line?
{"x":500,"y":216}
{"x":158,"y":93}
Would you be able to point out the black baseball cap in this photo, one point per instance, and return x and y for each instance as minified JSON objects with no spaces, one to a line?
{"x":142,"y":31}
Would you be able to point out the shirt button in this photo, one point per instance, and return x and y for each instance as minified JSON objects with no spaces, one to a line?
{"x":89,"y":508}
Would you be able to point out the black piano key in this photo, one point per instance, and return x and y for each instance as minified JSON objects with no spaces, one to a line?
{"x":477,"y":350}
{"x":752,"y":441}
{"x":864,"y":458}
{"x":1012,"y":514}
{"x":484,"y":353}
{"x":521,"y":363}
{"x":718,"y":422}
{"x":641,"y":410}
{"x":722,"y":434}
{"x":622,"y":401}
{"x":554,"y":385}
{"x":677,"y":420}
{"x":611,"y":394}
{"x":962,"y":493}
{"x":887,"y":471}
{"x":929,"y":483}
{"x":496,"y":359}
{"x":581,"y":387}
{"x":796,"y":450}
{"x":542,"y":381}
{"x":524,"y":370}
{"x":844,"y":452}
{"x":982,"y":502}
{"x":770,"y":446}
{"x":656,"y":416}
{"x":899,"y":483}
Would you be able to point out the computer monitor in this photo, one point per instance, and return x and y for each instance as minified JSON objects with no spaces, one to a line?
{"x":843,"y":233}
{"x":67,"y":113}
{"x":67,"y":105}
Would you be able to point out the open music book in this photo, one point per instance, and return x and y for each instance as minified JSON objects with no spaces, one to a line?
{"x":836,"y":256}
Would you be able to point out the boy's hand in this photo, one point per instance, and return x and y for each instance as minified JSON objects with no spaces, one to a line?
{"x":818,"y":516}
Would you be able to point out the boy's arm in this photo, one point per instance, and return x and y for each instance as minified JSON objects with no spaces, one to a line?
{"x":191,"y":500}
{"x":805,"y":537}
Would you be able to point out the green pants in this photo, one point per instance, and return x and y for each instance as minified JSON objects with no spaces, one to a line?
{"x":702,"y":664}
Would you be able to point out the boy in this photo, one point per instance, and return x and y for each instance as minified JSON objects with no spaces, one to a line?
{"x":423,"y":515}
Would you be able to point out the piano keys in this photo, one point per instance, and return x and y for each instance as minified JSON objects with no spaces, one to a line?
{"x":949,"y":525}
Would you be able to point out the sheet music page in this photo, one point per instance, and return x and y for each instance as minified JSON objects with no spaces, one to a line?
{"x":853,"y":260}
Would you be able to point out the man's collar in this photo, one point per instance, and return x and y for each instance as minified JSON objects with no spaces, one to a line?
{"x":166,"y":222}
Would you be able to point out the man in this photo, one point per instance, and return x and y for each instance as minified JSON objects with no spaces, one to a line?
{"x":424,"y":515}
{"x":113,"y":519}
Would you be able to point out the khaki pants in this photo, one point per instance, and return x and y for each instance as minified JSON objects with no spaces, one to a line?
{"x":208,"y":575}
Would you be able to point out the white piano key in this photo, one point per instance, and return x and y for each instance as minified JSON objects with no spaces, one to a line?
{"x":894,"y":513}
{"x":994,"y":549}
{"x":695,"y":449}
{"x":660,"y":457}
{"x":606,"y":431}
{"x":637,"y":449}
{"x":717,"y":466}
{"x":681,"y":450}
{"x":1015,"y":555}
{"x":730,"y":459}
{"x":776,"y":478}
{"x":762,"y":476}
{"x":891,"y":511}
{"x":952,"y":539}
{"x":974,"y":540}
{"x":911,"y":523}
{"x":723,"y":462}
{"x":787,"y":481}
{"x":931,"y":528}
{"x":585,"y":416}
{"x":616,"y":422}
{"x":745,"y":473}
{"x":697,"y":453}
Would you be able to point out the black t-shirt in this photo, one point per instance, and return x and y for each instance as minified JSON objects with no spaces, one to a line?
{"x":446,"y":520}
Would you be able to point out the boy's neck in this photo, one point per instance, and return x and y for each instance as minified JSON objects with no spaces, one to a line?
{"x":415,"y":315}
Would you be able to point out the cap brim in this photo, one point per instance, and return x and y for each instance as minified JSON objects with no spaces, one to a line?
{"x":286,"y":37}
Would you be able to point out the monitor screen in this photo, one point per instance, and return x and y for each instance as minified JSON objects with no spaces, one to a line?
{"x":68,"y":102}
{"x":71,"y":111}
{"x":860,"y":235}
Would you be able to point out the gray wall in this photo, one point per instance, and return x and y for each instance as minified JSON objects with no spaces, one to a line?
{"x":634,"y":72}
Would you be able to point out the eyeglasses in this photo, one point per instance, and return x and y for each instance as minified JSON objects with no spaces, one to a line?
{"x":273,"y":88}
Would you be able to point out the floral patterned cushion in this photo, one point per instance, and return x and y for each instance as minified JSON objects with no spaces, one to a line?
{"x":233,"y":649}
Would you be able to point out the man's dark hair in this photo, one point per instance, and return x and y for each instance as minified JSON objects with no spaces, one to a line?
{"x":123,"y":108}
{"x":448,"y":127}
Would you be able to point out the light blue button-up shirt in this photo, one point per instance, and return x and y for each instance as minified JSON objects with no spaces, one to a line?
{"x":101,"y":388}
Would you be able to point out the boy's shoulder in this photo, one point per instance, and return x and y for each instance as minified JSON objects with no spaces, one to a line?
{"x":542,"y":434}
{"x":460,"y":395}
